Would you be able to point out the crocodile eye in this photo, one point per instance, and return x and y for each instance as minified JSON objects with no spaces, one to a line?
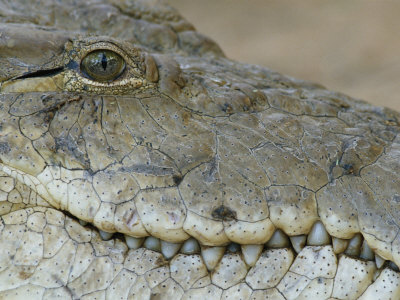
{"x":102,"y":65}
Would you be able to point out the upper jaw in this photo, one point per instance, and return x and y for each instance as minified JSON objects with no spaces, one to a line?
{"x":28,"y":49}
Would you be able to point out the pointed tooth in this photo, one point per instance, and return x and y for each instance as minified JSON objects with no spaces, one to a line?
{"x":251,"y":253}
{"x":233,"y":247}
{"x":354,"y":247}
{"x":83,"y":223}
{"x":393,"y":266}
{"x":379,"y":261}
{"x":190,"y":246}
{"x":133,"y":243}
{"x":318,"y":235}
{"x":376,"y":274}
{"x":212,"y":256}
{"x":298,"y":242}
{"x":339,"y":245}
{"x":152,"y":243}
{"x":366,"y":252}
{"x":105,"y":236}
{"x":278,"y":240}
{"x":170,"y":249}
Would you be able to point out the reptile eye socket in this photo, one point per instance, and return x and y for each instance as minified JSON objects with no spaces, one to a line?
{"x":102,"y":65}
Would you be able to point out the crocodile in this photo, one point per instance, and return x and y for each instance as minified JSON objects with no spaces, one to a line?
{"x":138,"y":162}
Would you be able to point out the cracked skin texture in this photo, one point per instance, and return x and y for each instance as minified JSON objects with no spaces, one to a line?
{"x":185,"y":143}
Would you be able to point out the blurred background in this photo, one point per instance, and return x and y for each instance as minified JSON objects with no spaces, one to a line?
{"x":348,"y":46}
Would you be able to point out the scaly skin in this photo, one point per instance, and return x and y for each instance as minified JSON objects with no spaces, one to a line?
{"x":188,"y":147}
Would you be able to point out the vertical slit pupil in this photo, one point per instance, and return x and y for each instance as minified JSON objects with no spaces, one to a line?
{"x":104,"y":61}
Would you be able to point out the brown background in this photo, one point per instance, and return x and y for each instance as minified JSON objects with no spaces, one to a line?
{"x":352,"y":46}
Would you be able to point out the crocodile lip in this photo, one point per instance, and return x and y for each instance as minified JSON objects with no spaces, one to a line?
{"x":357,"y":246}
{"x":160,"y":213}
{"x":42,"y":73}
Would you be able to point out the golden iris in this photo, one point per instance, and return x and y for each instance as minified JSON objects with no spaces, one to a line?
{"x":103,"y":65}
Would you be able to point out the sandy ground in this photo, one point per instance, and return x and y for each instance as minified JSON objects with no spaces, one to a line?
{"x":352,"y":46}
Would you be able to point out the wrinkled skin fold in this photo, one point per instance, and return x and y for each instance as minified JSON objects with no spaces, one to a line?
{"x":157,"y":167}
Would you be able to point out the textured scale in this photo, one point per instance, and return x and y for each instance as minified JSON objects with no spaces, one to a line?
{"x":186,"y":175}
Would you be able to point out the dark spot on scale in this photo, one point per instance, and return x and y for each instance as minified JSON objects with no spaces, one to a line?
{"x":349,"y":169}
{"x":233,"y":248}
{"x":156,"y":296}
{"x":177,"y":179}
{"x":72,"y":65}
{"x":24,"y":275}
{"x":223,"y":213}
{"x":4,"y":148}
{"x":227,"y":108}
{"x":396,"y":198}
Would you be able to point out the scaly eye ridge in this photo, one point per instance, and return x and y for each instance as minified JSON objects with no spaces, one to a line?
{"x":102,"y":65}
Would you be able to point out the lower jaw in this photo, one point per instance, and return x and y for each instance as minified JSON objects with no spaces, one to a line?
{"x":61,"y":257}
{"x":313,"y":266}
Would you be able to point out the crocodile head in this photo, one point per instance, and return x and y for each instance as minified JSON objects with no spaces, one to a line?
{"x":138,"y":162}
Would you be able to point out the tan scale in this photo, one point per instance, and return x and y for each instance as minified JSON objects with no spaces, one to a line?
{"x":270,"y":268}
{"x":230,"y":271}
{"x":386,"y":286}
{"x":267,"y":294}
{"x":318,"y":288}
{"x":163,"y":214}
{"x":238,"y":291}
{"x":187,"y":269}
{"x":292,"y":285}
{"x":352,"y":278}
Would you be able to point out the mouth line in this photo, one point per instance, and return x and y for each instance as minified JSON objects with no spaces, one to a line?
{"x":356,"y":247}
{"x":42,"y":73}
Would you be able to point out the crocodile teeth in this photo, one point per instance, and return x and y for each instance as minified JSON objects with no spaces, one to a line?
{"x":354,"y":247}
{"x":318,"y":235}
{"x":376,"y":274}
{"x":379,"y":261}
{"x":169,"y":249}
{"x":212,"y":256}
{"x":105,"y":235}
{"x":83,"y":223}
{"x":133,"y":243}
{"x":393,"y":266}
{"x":278,"y":240}
{"x":339,"y":245}
{"x":152,"y":243}
{"x":251,"y":253}
{"x":233,"y":247}
{"x":190,"y":246}
{"x":366,"y":252}
{"x":298,"y":242}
